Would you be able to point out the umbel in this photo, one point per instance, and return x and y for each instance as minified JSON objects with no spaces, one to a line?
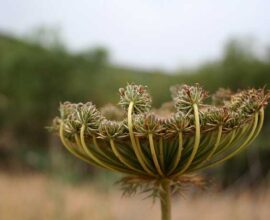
{"x":160,"y":150}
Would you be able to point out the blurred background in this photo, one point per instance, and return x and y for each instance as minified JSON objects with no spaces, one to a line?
{"x":53,"y":51}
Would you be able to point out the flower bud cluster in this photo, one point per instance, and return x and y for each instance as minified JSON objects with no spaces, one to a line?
{"x":250,"y":101}
{"x":74,"y":116}
{"x":236,"y":110}
{"x":111,"y":129}
{"x":176,"y":123}
{"x":147,"y":123}
{"x":185,"y":97}
{"x":112,"y":112}
{"x":138,"y":95}
{"x":68,"y":116}
{"x":221,"y":116}
{"x":66,"y":109}
{"x":165,"y":143}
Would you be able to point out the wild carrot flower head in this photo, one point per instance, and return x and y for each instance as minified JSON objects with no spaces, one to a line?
{"x":161,"y":153}
{"x":148,"y":145}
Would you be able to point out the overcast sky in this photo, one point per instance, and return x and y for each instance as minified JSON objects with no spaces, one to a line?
{"x":144,"y":33}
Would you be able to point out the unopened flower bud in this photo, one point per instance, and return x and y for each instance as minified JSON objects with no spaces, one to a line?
{"x":249,"y":101}
{"x":137,"y":94}
{"x":66,"y":109}
{"x":112,"y":112}
{"x":176,"y":123}
{"x":111,"y":129}
{"x":185,"y":97}
{"x":147,"y":123}
{"x":89,"y":115}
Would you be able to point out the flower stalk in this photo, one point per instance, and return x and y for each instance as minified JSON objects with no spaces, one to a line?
{"x":165,"y":200}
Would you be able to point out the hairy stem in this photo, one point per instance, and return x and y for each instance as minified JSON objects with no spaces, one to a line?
{"x":165,"y":200}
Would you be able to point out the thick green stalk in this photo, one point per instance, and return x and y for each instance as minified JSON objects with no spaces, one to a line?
{"x":252,"y":135}
{"x":154,"y":154}
{"x":165,"y":200}
{"x":122,"y":159}
{"x":161,"y":153}
{"x":136,"y":148}
{"x":216,"y":144}
{"x":145,"y":159}
{"x":96,"y":159}
{"x":196,"y":141}
{"x":70,"y":149}
{"x":179,"y":152}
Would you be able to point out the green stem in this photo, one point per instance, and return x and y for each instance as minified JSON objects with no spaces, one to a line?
{"x":122,"y":159}
{"x":216,"y":144}
{"x":253,"y":134}
{"x":138,"y":152}
{"x":179,"y":152}
{"x":165,"y":200}
{"x":70,"y":148}
{"x":154,"y":154}
{"x":96,"y":159}
{"x":161,"y":153}
{"x":196,"y":141}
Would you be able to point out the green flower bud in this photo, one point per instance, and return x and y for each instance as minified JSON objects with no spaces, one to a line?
{"x":88,"y":115}
{"x":69,"y":119}
{"x":66,"y":109}
{"x":185,"y":97}
{"x":235,"y":120}
{"x":137,"y":94}
{"x":72,"y":125}
{"x":112,"y":112}
{"x":249,"y":101}
{"x":76,"y":115}
{"x":147,"y":123}
{"x":216,"y":117}
{"x":111,"y":129}
{"x":176,"y":123}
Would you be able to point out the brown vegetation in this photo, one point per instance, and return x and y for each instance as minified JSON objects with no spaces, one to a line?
{"x":39,"y":197}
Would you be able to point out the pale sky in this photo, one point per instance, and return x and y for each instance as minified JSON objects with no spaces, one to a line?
{"x":144,"y":33}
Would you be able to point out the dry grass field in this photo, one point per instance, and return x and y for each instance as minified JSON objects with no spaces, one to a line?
{"x":37,"y":197}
